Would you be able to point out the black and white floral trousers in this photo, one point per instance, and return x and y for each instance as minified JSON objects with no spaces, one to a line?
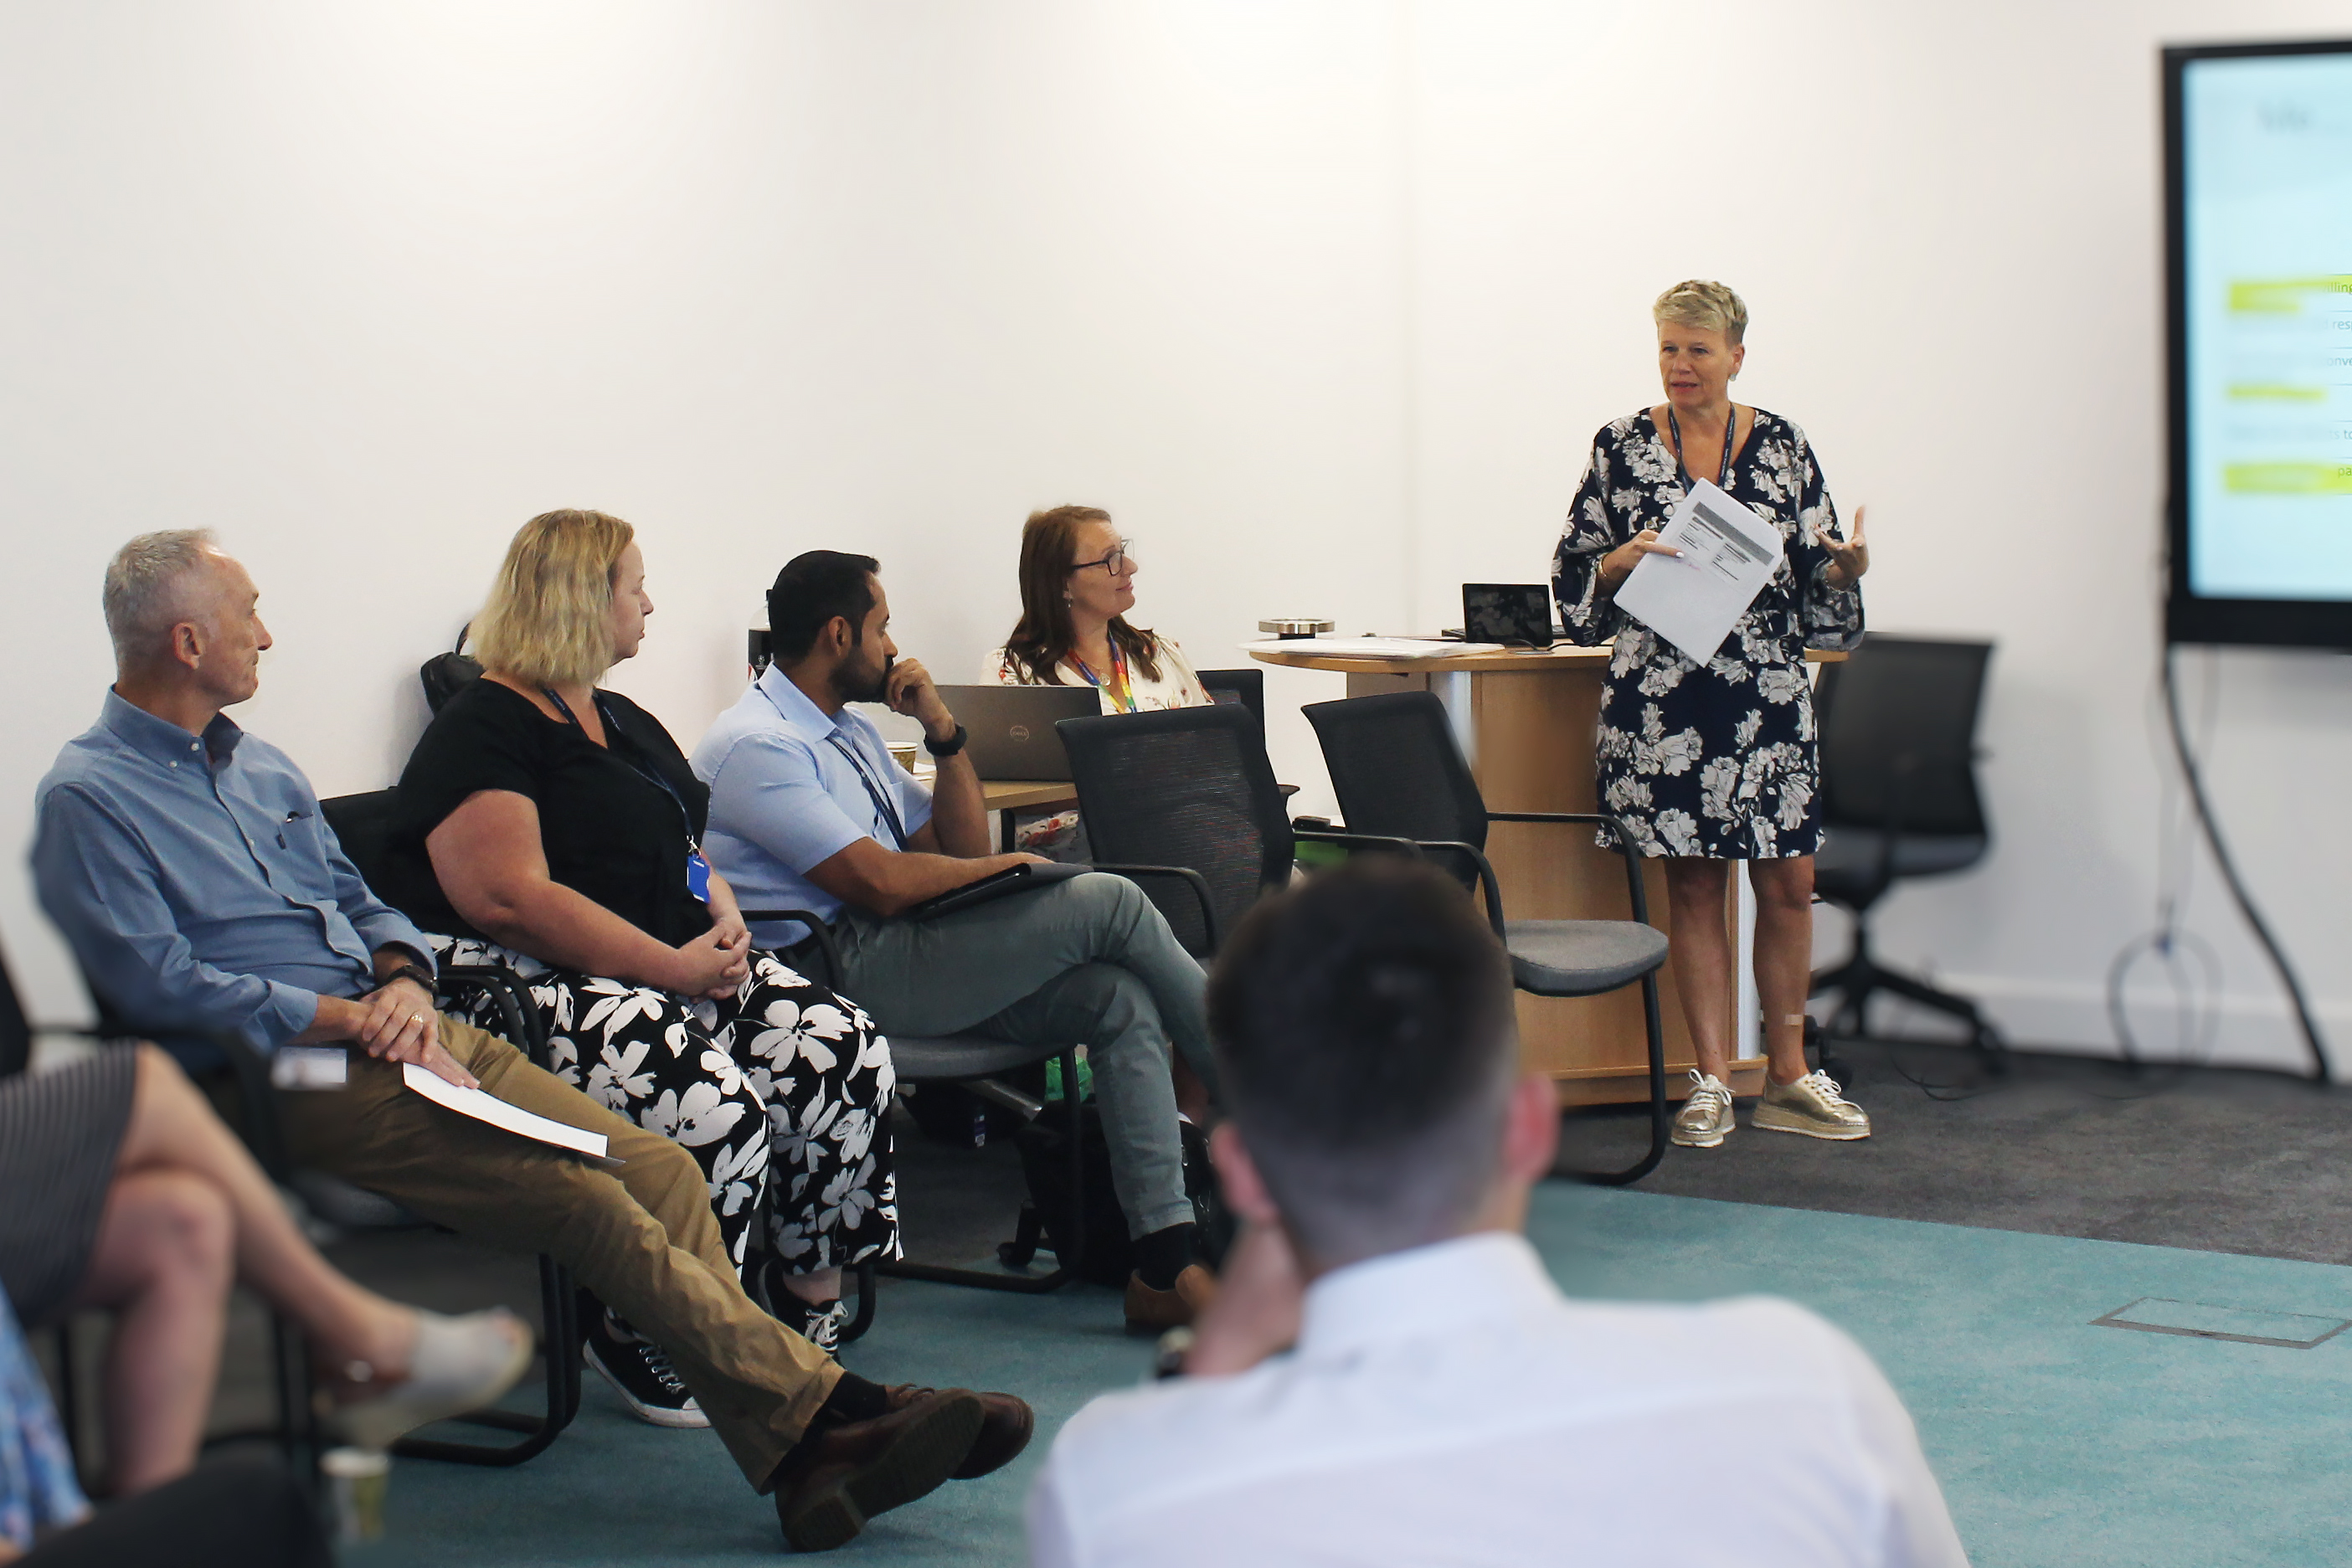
{"x":782,"y":1087}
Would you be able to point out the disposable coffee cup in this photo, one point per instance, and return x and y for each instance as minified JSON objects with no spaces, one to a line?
{"x":356,"y":1481}
{"x":903,"y":753}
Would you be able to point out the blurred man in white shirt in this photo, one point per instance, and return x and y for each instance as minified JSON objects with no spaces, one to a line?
{"x":1389,"y":1377}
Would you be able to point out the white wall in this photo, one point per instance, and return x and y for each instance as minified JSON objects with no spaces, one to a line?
{"x":1323,"y":301}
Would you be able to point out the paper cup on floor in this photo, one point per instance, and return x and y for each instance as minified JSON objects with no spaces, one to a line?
{"x":356,"y":1480}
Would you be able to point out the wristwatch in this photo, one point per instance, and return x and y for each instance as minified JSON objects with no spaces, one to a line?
{"x":948,"y":747}
{"x":416,"y":972}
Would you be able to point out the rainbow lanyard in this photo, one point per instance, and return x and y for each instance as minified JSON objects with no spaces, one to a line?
{"x":1122,"y":692}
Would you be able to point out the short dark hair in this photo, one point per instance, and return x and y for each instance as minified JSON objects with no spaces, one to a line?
{"x":1366,"y":1046}
{"x":814,"y":587}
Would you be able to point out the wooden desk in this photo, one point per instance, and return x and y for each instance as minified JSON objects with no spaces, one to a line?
{"x":1011,"y":795}
{"x":1526,"y":721}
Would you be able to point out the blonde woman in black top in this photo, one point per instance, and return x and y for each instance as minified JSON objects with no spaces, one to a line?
{"x":553,"y":826}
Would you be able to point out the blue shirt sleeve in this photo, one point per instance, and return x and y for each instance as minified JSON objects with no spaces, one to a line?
{"x":768,"y":791}
{"x":97,"y":881}
{"x":38,"y":1488}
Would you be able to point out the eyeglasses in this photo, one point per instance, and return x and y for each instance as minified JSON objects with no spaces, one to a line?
{"x":1118,"y":561}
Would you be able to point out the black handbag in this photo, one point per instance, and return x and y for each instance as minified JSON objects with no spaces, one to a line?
{"x":444,"y":675}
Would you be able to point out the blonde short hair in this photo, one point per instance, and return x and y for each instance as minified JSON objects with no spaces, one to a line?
{"x":547,"y":618}
{"x":1711,"y":306}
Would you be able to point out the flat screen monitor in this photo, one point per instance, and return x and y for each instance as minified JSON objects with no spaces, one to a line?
{"x":2258,"y":169}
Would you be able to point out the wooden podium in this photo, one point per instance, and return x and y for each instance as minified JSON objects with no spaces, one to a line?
{"x":1527,"y":722}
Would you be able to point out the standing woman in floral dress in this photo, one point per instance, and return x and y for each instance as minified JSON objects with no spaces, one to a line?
{"x":1708,"y":765}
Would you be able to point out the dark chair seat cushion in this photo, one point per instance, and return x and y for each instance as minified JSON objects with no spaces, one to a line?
{"x":1581,"y":958}
{"x":944,"y":1058}
{"x":1847,"y":864}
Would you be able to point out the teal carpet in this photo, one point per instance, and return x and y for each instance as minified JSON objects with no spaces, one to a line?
{"x":2058,"y":1442}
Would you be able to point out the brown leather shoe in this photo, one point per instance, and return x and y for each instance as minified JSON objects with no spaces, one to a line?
{"x":1005,"y":1424}
{"x":847,"y":1474}
{"x":1157,"y":1312}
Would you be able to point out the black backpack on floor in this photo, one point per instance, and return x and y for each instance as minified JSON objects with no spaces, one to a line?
{"x":1109,"y":1257}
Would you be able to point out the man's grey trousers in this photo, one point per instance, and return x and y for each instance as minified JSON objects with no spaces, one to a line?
{"x":1085,"y":962}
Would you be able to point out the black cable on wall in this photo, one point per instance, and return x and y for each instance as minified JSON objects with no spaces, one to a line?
{"x":2320,"y":1072}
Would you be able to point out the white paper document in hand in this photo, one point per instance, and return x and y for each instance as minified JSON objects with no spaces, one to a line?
{"x":1693,"y":601}
{"x":497,"y":1113}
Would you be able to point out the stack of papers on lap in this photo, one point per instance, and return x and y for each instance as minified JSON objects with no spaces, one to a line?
{"x":497,"y":1113}
{"x":1693,"y":601}
{"x":1374,"y":647}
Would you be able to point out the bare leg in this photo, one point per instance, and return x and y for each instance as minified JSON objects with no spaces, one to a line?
{"x":163,"y":1264}
{"x":817,"y":1287}
{"x":1784,"y":959}
{"x":1697,"y":897}
{"x":174,"y":1132}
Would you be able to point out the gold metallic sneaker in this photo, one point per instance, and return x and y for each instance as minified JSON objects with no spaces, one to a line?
{"x":1706,"y":1116}
{"x":1813,"y":1106}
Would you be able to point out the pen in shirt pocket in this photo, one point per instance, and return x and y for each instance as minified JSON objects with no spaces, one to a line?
{"x":294,"y":816}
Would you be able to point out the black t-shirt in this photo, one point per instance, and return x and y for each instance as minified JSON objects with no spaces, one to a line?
{"x":608,"y":832}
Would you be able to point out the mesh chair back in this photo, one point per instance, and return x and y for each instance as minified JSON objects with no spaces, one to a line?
{"x":1187,"y":787}
{"x":1398,"y":772}
{"x":1246,"y":687}
{"x":363,"y":825}
{"x":1898,"y":725}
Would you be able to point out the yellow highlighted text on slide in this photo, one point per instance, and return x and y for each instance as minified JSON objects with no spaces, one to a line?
{"x":2287,"y":478}
{"x":2283,"y":295}
{"x":2275,"y":391}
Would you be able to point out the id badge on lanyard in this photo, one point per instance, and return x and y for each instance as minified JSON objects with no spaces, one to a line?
{"x":698,"y":870}
{"x":697,"y":876}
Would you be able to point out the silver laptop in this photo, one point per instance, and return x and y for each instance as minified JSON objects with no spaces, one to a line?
{"x":1012,"y":727}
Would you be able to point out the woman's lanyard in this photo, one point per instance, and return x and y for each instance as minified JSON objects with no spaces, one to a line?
{"x":1730,"y":428}
{"x":874,"y":791}
{"x":698,"y":870}
{"x":1122,"y":690}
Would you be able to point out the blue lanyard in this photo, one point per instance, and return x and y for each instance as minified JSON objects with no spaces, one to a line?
{"x":646,"y":771}
{"x":874,"y":791}
{"x":1730,"y":428}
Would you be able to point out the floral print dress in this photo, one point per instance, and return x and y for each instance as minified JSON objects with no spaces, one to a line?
{"x":781,"y":1092}
{"x":1719,"y":761}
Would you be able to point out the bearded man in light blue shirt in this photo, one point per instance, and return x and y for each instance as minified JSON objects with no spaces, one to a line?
{"x":808,"y":811}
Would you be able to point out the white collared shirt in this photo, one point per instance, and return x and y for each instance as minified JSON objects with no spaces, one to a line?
{"x":1448,"y":1405}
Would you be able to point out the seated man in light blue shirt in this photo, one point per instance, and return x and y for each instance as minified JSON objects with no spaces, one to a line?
{"x":809,"y":812}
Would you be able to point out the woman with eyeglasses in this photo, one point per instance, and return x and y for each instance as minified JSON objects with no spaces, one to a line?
{"x":1078,"y":583}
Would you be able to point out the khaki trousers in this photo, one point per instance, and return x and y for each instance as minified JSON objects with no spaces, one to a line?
{"x":641,"y":1238}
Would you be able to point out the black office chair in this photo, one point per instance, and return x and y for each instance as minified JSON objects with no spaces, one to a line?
{"x":1899,"y":799}
{"x":363,"y":825}
{"x":1396,"y":769}
{"x":1246,"y":687}
{"x":979,"y":1065}
{"x":1183,"y":803}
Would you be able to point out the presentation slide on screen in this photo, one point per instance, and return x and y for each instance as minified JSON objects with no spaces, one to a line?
{"x":2267,"y":165}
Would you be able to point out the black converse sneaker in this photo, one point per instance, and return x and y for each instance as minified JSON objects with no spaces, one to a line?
{"x":640,"y":1371}
{"x":818,"y":1322}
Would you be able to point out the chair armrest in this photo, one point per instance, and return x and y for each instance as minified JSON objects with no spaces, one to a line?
{"x":1489,"y":884}
{"x":1191,"y":878}
{"x":1633,"y":888}
{"x":249,"y":1065}
{"x":817,"y":929}
{"x":505,"y":989}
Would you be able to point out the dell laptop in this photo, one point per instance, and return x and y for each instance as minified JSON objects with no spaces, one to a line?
{"x":1012,"y":727}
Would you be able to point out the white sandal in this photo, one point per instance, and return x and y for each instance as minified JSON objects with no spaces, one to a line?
{"x":458,"y":1364}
